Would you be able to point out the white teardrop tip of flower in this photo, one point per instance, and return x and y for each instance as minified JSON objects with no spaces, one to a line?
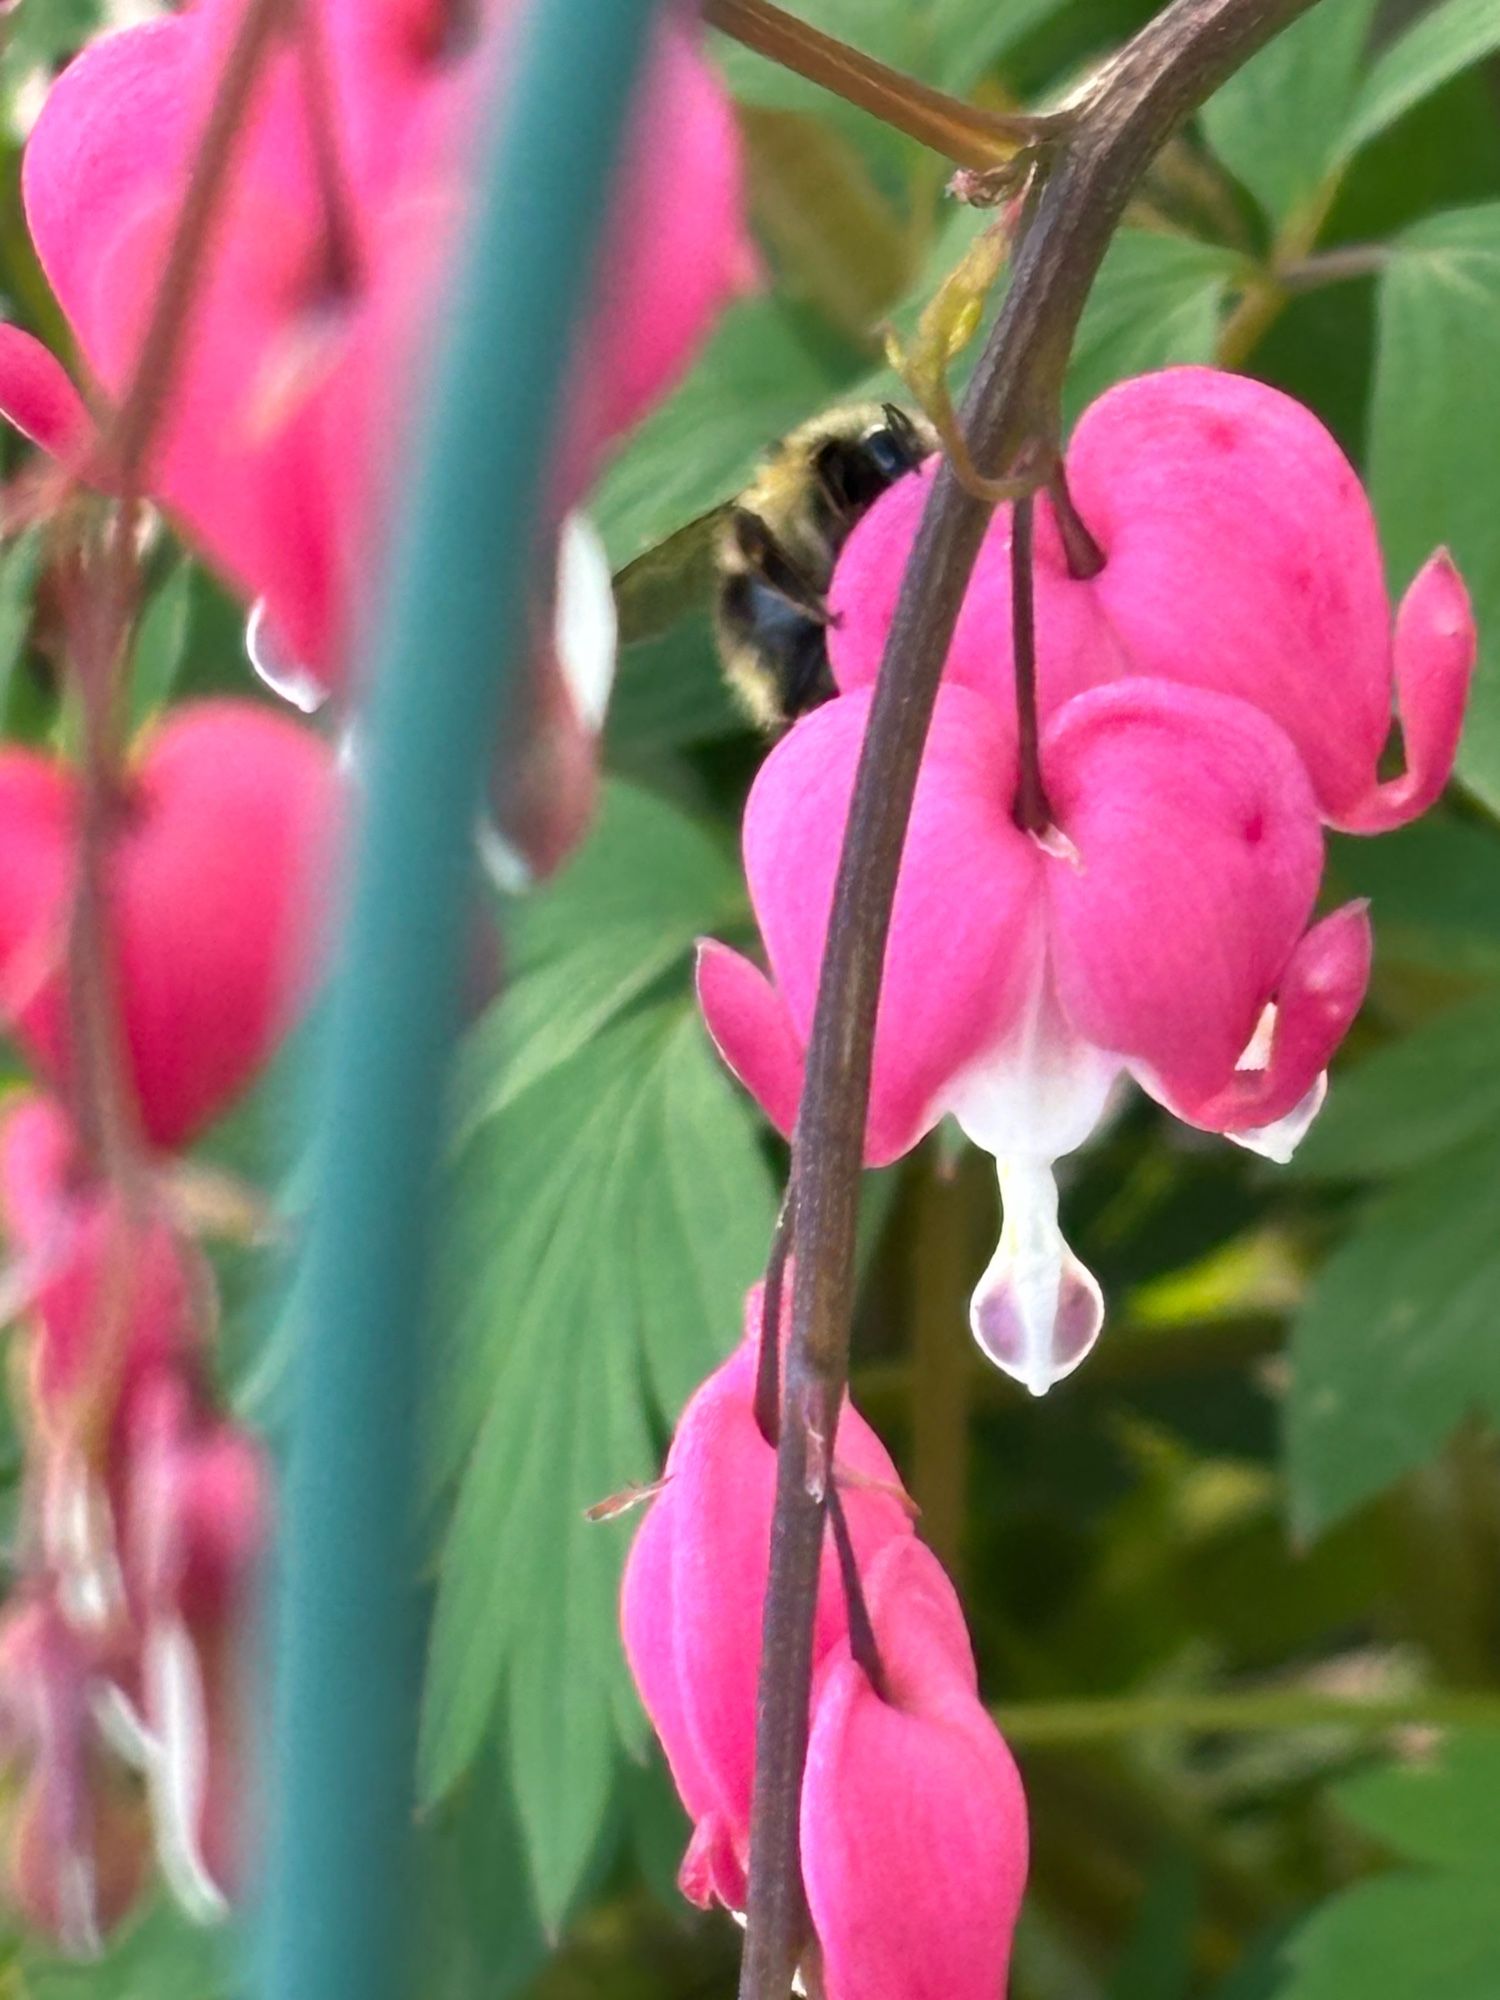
{"x":282,"y":675}
{"x":587,"y":627}
{"x":1037,"y":1310}
{"x":1280,"y":1139}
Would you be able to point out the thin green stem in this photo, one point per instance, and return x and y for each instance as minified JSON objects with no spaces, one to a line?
{"x":1259,"y":1712}
{"x":960,"y":132}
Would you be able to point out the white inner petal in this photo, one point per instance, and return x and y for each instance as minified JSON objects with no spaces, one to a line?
{"x":79,"y":1534}
{"x":502,"y":861}
{"x":1042,"y":1091}
{"x":587,"y":626}
{"x":1037,"y":1310}
{"x":178,"y":1772}
{"x":281,"y":674}
{"x":1281,"y":1138}
{"x":1257,"y":1051}
{"x":78,"y":1905}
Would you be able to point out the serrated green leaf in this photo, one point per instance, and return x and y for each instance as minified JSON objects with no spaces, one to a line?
{"x":1405,"y":1937}
{"x":1276,"y":123}
{"x":1437,"y":46}
{"x":1440,"y":1807}
{"x":1156,"y":301}
{"x":705,"y":1223}
{"x":758,"y":379}
{"x":609,"y":1219}
{"x":1435,"y":434}
{"x":644,"y":863}
{"x":1395,"y":1342}
{"x":1419,"y":1097}
{"x":646,"y":883}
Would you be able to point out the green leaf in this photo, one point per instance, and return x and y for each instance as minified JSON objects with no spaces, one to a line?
{"x":163,"y":1957}
{"x":758,"y":379}
{"x":1440,"y":1808}
{"x":1437,"y":46}
{"x":40,"y":33}
{"x":1406,"y":1937}
{"x":20,"y":566}
{"x":1158,"y":1959}
{"x":644,"y":862}
{"x":1156,"y":301}
{"x":609,"y":1220}
{"x":1435,"y":434}
{"x":1275,"y":123}
{"x":670,"y":692}
{"x":969,"y":37}
{"x":891,"y":30}
{"x":161,"y":644}
{"x":1435,"y":887}
{"x":1418,"y":1097}
{"x":1395,"y":1343}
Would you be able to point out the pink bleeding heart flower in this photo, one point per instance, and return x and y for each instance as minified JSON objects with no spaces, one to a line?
{"x":284,"y":434}
{"x":694,"y":1594}
{"x":914,"y":1838}
{"x":77,"y":1847}
{"x":1240,"y":555}
{"x":1160,"y":928}
{"x":226,"y":825}
{"x":102,"y":1291}
{"x":194,"y":1510}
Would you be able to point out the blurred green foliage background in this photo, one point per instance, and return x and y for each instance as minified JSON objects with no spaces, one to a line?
{"x":1236,"y":1588}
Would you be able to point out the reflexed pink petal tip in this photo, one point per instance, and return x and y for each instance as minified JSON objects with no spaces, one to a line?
{"x":37,"y":396}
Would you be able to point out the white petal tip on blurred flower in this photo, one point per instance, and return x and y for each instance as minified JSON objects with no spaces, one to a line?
{"x":587,"y":626}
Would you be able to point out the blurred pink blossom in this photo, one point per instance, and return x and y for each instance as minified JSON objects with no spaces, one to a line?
{"x":283,"y":442}
{"x":222,"y":854}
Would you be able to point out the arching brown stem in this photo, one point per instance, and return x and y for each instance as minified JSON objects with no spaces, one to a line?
{"x":1169,"y":69}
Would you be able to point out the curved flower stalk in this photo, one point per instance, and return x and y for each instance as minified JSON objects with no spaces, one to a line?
{"x":1238,"y":554}
{"x":913,"y":1817}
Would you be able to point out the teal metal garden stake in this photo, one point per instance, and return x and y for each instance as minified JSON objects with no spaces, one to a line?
{"x":450,"y":647}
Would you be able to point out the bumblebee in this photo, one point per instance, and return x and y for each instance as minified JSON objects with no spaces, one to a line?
{"x":778,"y":543}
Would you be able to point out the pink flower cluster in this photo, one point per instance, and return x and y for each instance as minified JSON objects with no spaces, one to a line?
{"x":154,"y":919}
{"x":913,"y":1822}
{"x":1210,"y":696}
{"x":281,"y":448}
{"x":144,"y":1505}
